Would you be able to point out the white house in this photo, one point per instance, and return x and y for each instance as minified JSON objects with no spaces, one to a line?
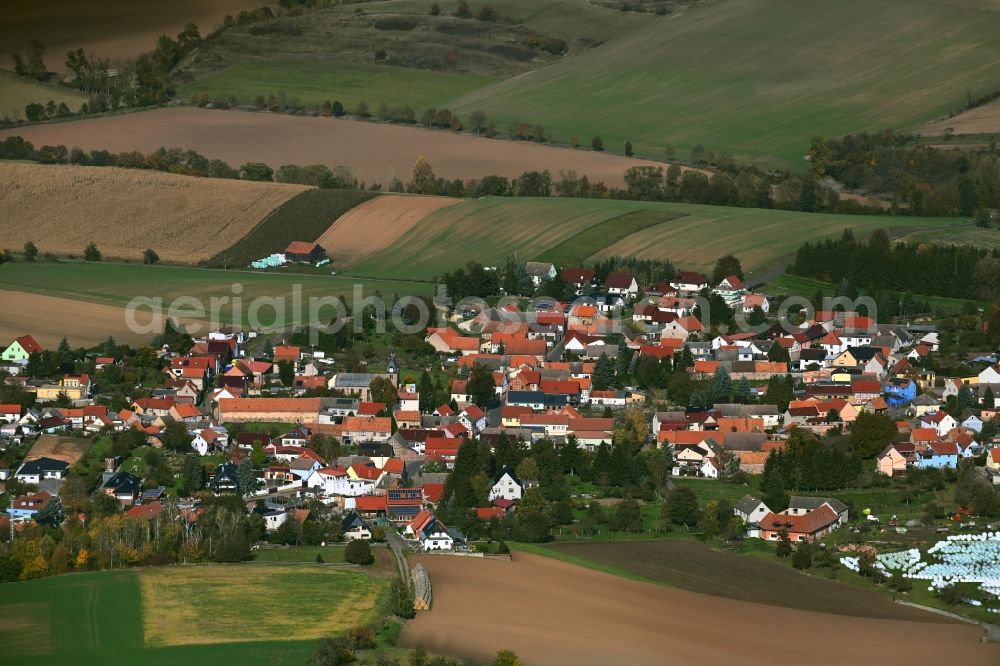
{"x":354,"y":528}
{"x":10,"y":413}
{"x":506,"y":486}
{"x":335,"y":482}
{"x":990,"y":375}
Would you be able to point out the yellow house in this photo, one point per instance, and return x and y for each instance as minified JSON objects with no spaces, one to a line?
{"x":993,"y":460}
{"x":75,"y":387}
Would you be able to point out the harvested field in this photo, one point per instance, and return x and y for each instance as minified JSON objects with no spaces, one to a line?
{"x":49,"y":319}
{"x":696,"y":567}
{"x":184,"y":219}
{"x":67,"y":449}
{"x":551,"y":612}
{"x":376,"y":152}
{"x":114,"y":29}
{"x":375,"y":225}
{"x":983,"y":119}
{"x":224,"y":604}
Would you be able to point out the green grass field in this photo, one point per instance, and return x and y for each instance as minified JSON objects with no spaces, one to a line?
{"x":191,"y":615}
{"x":757,"y":78}
{"x":16,"y":93}
{"x":117,"y":284}
{"x":579,"y":247}
{"x":487,"y":230}
{"x":312,"y":83}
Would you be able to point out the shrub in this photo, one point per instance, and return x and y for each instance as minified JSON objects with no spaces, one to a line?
{"x":395,"y":23}
{"x":803,"y":558}
{"x":359,"y":552}
{"x":91,"y":253}
{"x":150,"y":256}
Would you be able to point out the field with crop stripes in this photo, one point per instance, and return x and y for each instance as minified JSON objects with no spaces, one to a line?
{"x":580,"y":230}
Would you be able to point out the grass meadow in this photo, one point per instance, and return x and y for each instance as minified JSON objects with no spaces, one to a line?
{"x":116,"y":284}
{"x":789,"y":69}
{"x":312,"y":83}
{"x":16,"y":93}
{"x":192,"y":615}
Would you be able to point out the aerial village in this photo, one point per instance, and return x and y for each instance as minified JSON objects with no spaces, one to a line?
{"x":527,"y":421}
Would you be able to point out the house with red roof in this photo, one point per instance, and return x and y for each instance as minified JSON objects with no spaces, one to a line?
{"x":621,"y":284}
{"x":446,"y":340}
{"x":808,"y":526}
{"x":20,"y":349}
{"x":689,"y":281}
{"x":753,"y":301}
{"x":473,"y":418}
{"x":578,"y":277}
{"x":731,"y":288}
{"x":10,"y":413}
{"x":290,"y":353}
{"x":443,"y":449}
{"x":357,"y":429}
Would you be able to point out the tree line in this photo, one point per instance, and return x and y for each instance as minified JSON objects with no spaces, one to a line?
{"x":919,"y":179}
{"x":940,"y":270}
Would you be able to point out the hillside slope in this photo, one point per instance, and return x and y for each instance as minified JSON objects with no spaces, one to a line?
{"x":569,"y":231}
{"x":376,"y":225}
{"x":758,"y":78}
{"x":124,"y":211}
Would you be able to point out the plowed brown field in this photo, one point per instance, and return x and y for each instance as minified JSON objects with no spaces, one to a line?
{"x":551,"y":612}
{"x":375,"y":225}
{"x":49,"y":319}
{"x":184,"y":219}
{"x":375,"y":151}
{"x":114,"y":29}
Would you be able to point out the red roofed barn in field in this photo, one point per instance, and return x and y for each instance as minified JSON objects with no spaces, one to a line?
{"x":304,"y":253}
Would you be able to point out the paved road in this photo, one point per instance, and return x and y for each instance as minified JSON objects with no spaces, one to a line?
{"x":398,"y":547}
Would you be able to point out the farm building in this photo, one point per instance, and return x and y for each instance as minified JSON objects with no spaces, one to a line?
{"x":304,"y":253}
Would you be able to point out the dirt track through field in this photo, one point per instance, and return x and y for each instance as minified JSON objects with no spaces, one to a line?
{"x":551,"y":612}
{"x":375,"y":225}
{"x":375,"y":151}
{"x":48,"y":319}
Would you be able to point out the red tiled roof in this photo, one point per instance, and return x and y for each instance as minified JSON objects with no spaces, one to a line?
{"x":619,"y":280}
{"x":30,"y":345}
{"x":370,"y":503}
{"x":295,"y":405}
{"x":376,"y":424}
{"x":300,"y":247}
{"x":808,"y":523}
{"x":559,"y":386}
{"x":370,"y":408}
